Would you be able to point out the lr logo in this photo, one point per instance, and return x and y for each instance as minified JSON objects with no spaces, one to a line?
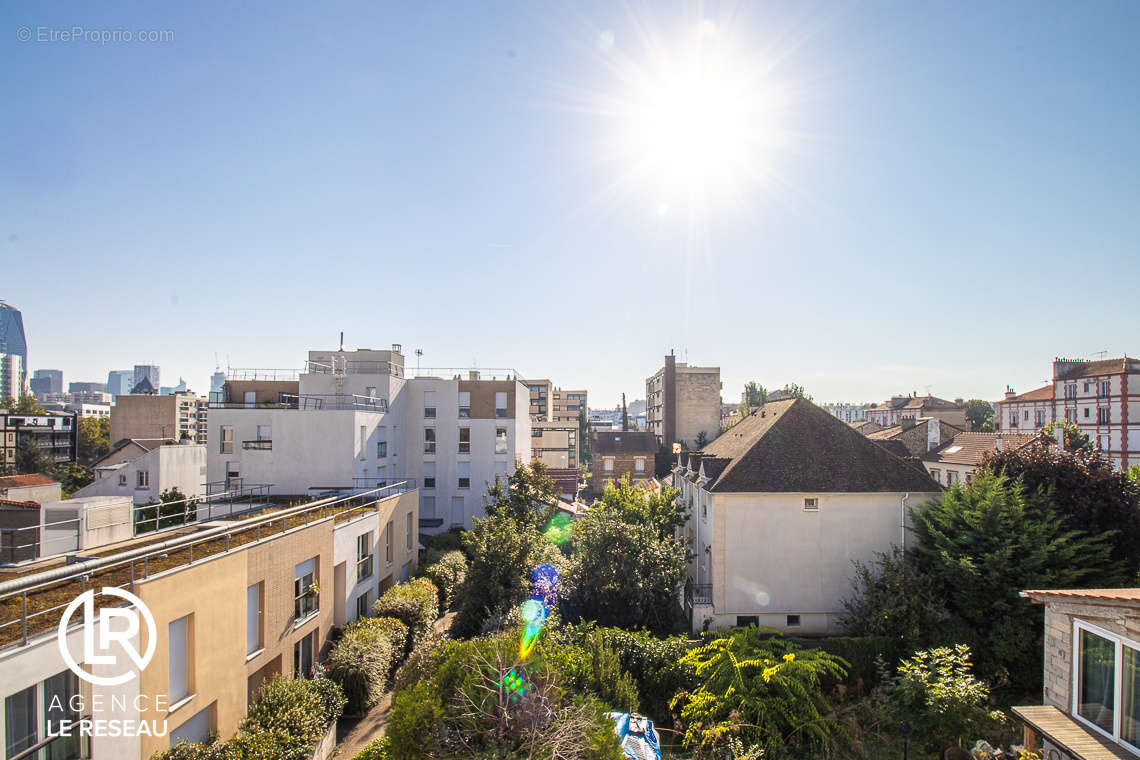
{"x":98,"y":636}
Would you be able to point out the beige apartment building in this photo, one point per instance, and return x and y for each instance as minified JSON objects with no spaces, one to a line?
{"x":181,"y":416}
{"x":552,"y":404}
{"x":555,"y":444}
{"x":682,"y":402}
{"x":234,"y":602}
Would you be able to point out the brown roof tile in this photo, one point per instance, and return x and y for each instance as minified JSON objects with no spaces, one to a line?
{"x":1114,"y":594}
{"x":1101,"y":367}
{"x":623,"y":442}
{"x":968,"y":448}
{"x":795,"y":446}
{"x":19,"y":481}
{"x":1044,"y":393}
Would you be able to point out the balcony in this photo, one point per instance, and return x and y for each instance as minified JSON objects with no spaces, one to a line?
{"x":698,"y":593}
{"x":311,"y":402}
{"x":261,"y":444}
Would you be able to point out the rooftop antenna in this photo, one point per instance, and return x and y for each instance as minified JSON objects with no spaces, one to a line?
{"x":341,"y":340}
{"x":419,"y":353}
{"x":1099,"y":354}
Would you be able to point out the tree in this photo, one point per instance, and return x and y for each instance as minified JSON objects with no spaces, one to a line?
{"x":761,"y":689}
{"x":663,"y":509}
{"x":702,"y":439}
{"x":30,"y":458}
{"x":1075,"y":440}
{"x":985,"y":542}
{"x":27,"y":404}
{"x":583,"y":440}
{"x":526,"y":495}
{"x":795,"y":390}
{"x":977,"y":413}
{"x":623,"y":573}
{"x":173,"y":508}
{"x":93,"y":437}
{"x":754,"y":394}
{"x":72,"y":476}
{"x":1083,"y":490}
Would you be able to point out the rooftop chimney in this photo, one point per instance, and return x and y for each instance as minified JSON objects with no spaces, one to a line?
{"x":473,"y":374}
{"x":1009,"y":392}
{"x":624,"y":414}
{"x":998,"y":444}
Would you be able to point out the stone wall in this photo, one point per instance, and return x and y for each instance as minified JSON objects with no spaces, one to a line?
{"x":697,"y":404}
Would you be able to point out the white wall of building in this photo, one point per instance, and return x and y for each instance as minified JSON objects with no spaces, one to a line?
{"x":182,"y":466}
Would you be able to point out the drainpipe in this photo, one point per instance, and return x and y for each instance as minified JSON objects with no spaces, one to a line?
{"x":902,"y":519}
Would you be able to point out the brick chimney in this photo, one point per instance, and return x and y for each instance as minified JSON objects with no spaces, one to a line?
{"x":1009,"y":392}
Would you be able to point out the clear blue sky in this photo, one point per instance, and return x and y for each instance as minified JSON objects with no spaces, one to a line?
{"x":957,"y":203}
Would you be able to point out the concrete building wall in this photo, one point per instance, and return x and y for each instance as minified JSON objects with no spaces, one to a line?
{"x":698,"y":403}
{"x":181,"y":466}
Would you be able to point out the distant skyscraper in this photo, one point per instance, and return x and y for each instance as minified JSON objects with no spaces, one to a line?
{"x":120,"y":381}
{"x":148,"y":372}
{"x":45,"y":381}
{"x":13,"y":351}
{"x":217,"y":380}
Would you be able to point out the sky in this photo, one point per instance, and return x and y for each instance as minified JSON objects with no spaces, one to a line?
{"x":936,"y":196}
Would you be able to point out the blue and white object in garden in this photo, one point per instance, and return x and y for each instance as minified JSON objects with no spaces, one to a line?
{"x":638,"y":738}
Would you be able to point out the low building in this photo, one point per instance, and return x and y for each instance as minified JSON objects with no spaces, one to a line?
{"x":30,"y":530}
{"x":555,"y":444}
{"x":780,"y":506}
{"x":33,"y":487}
{"x":1025,"y":412}
{"x":897,"y":408}
{"x":619,"y":453}
{"x":847,"y":412}
{"x":866,"y":427}
{"x":144,"y":469}
{"x":913,"y":438}
{"x":957,"y":459}
{"x":1089,"y":709}
{"x":233,"y":603}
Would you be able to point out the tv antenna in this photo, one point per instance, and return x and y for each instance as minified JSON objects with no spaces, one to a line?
{"x":419,"y":353}
{"x":1099,"y":354}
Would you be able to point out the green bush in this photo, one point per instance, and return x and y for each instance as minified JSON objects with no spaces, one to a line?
{"x":415,"y":604}
{"x":861,"y":653}
{"x":447,"y":571}
{"x":377,"y":750}
{"x":185,"y":750}
{"x":449,"y":540}
{"x":360,"y":663}
{"x":290,"y":709}
{"x":416,"y":712}
{"x":261,"y":745}
{"x":590,"y":666}
{"x":390,"y":628}
{"x":331,"y":696}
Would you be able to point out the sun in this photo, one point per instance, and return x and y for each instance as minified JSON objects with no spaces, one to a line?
{"x":695,"y":119}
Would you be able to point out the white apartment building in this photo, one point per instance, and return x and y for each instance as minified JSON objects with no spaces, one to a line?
{"x":1102,"y":397}
{"x":142,"y":470}
{"x":847,"y":412}
{"x":353,"y":419}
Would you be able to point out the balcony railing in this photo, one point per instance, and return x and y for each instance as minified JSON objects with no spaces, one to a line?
{"x":261,"y":444}
{"x":310,"y":401}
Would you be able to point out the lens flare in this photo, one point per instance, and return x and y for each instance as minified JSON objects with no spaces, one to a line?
{"x":533,"y":611}
{"x":536,"y":609}
{"x":558,"y":530}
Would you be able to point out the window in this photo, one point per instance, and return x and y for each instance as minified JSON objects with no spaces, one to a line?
{"x":370,"y":391}
{"x":1086,"y":386}
{"x":746,"y":620}
{"x":122,"y":479}
{"x":226,"y":438}
{"x":458,"y":511}
{"x":429,"y":474}
{"x":20,"y":721}
{"x":427,"y":506}
{"x":1070,"y":392}
{"x":1103,"y":443}
{"x":1013,"y":419}
{"x":363,"y":441}
{"x":608,"y":464}
{"x":408,"y":531}
{"x":639,"y":464}
{"x":936,"y":474}
{"x":142,"y":478}
{"x":1102,"y":415}
{"x":1025,"y":415}
{"x":1086,"y":412}
{"x":306,"y":593}
{"x":793,"y":621}
{"x":1095,"y":689}
{"x":501,"y":405}
{"x":501,"y":440}
{"x":388,"y":543}
{"x":381,"y":442}
{"x":464,"y":440}
{"x":1040,"y":417}
{"x":464,"y":472}
{"x":951,"y":477}
{"x":264,"y":433}
{"x":253,"y":609}
{"x":196,"y":729}
{"x":429,"y":440}
{"x":363,"y":556}
{"x":362,"y":605}
{"x":1103,"y":390}
{"x":464,"y":404}
{"x":429,"y":405}
{"x":811,"y":505}
{"x":179,"y":635}
{"x":303,"y":656}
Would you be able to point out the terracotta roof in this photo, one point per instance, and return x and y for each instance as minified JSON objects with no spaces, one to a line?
{"x":13,"y":503}
{"x":795,"y":446}
{"x":968,"y":448}
{"x":930,"y":402}
{"x":1101,"y":367}
{"x":1044,"y":393}
{"x":1114,"y":594}
{"x":623,"y":442}
{"x":19,"y":481}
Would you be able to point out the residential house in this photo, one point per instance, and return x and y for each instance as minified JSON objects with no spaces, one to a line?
{"x":1089,"y":709}
{"x":144,"y":469}
{"x":898,"y":408}
{"x":847,"y":412}
{"x":1026,"y":412}
{"x":913,"y":438}
{"x":54,"y":433}
{"x":866,"y":427}
{"x":956,"y":460}
{"x":683,"y":403}
{"x":32,"y":487}
{"x":617,"y":453}
{"x":780,"y":507}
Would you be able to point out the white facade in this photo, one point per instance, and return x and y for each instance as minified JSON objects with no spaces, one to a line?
{"x":11,"y":369}
{"x":847,"y":412}
{"x":143,"y":476}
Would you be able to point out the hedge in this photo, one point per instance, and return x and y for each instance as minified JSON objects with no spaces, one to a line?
{"x":360,"y":662}
{"x":415,"y":603}
{"x":377,"y":750}
{"x":446,"y":570}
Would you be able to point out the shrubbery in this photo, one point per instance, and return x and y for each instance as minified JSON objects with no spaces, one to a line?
{"x":361,"y":662}
{"x":415,"y":604}
{"x":446,"y":570}
{"x":286,"y":720}
{"x":377,"y":750}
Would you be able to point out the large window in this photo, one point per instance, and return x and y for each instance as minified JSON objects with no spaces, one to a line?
{"x":253,"y":618}
{"x":363,"y":556}
{"x":227,"y":439}
{"x":429,"y":405}
{"x":501,"y":440}
{"x":429,"y":474}
{"x":179,"y":634}
{"x":429,"y":440}
{"x":464,"y":440}
{"x":34,"y":714}
{"x":464,"y":404}
{"x":306,"y":593}
{"x":1106,"y":683}
{"x":381,"y":442}
{"x":501,"y":405}
{"x":464,"y":472}
{"x":388,"y":543}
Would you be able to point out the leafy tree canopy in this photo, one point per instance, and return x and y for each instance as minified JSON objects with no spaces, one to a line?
{"x":93,"y":437}
{"x":527,"y":495}
{"x":26,"y":404}
{"x":978,"y":412}
{"x":755,"y":394}
{"x":1075,"y":440}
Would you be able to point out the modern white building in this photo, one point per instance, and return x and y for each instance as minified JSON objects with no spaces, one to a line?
{"x":353,"y":419}
{"x":847,"y":412}
{"x":143,"y":469}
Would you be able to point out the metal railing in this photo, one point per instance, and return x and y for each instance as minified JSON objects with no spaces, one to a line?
{"x":31,"y":604}
{"x":698,"y":593}
{"x":49,"y":539}
{"x":260,"y":373}
{"x":464,"y":373}
{"x":329,"y":401}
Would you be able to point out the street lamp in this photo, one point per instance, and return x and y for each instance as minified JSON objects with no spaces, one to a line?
{"x":904,"y":731}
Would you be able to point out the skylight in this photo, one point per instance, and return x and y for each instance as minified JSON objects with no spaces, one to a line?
{"x":952,"y":450}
